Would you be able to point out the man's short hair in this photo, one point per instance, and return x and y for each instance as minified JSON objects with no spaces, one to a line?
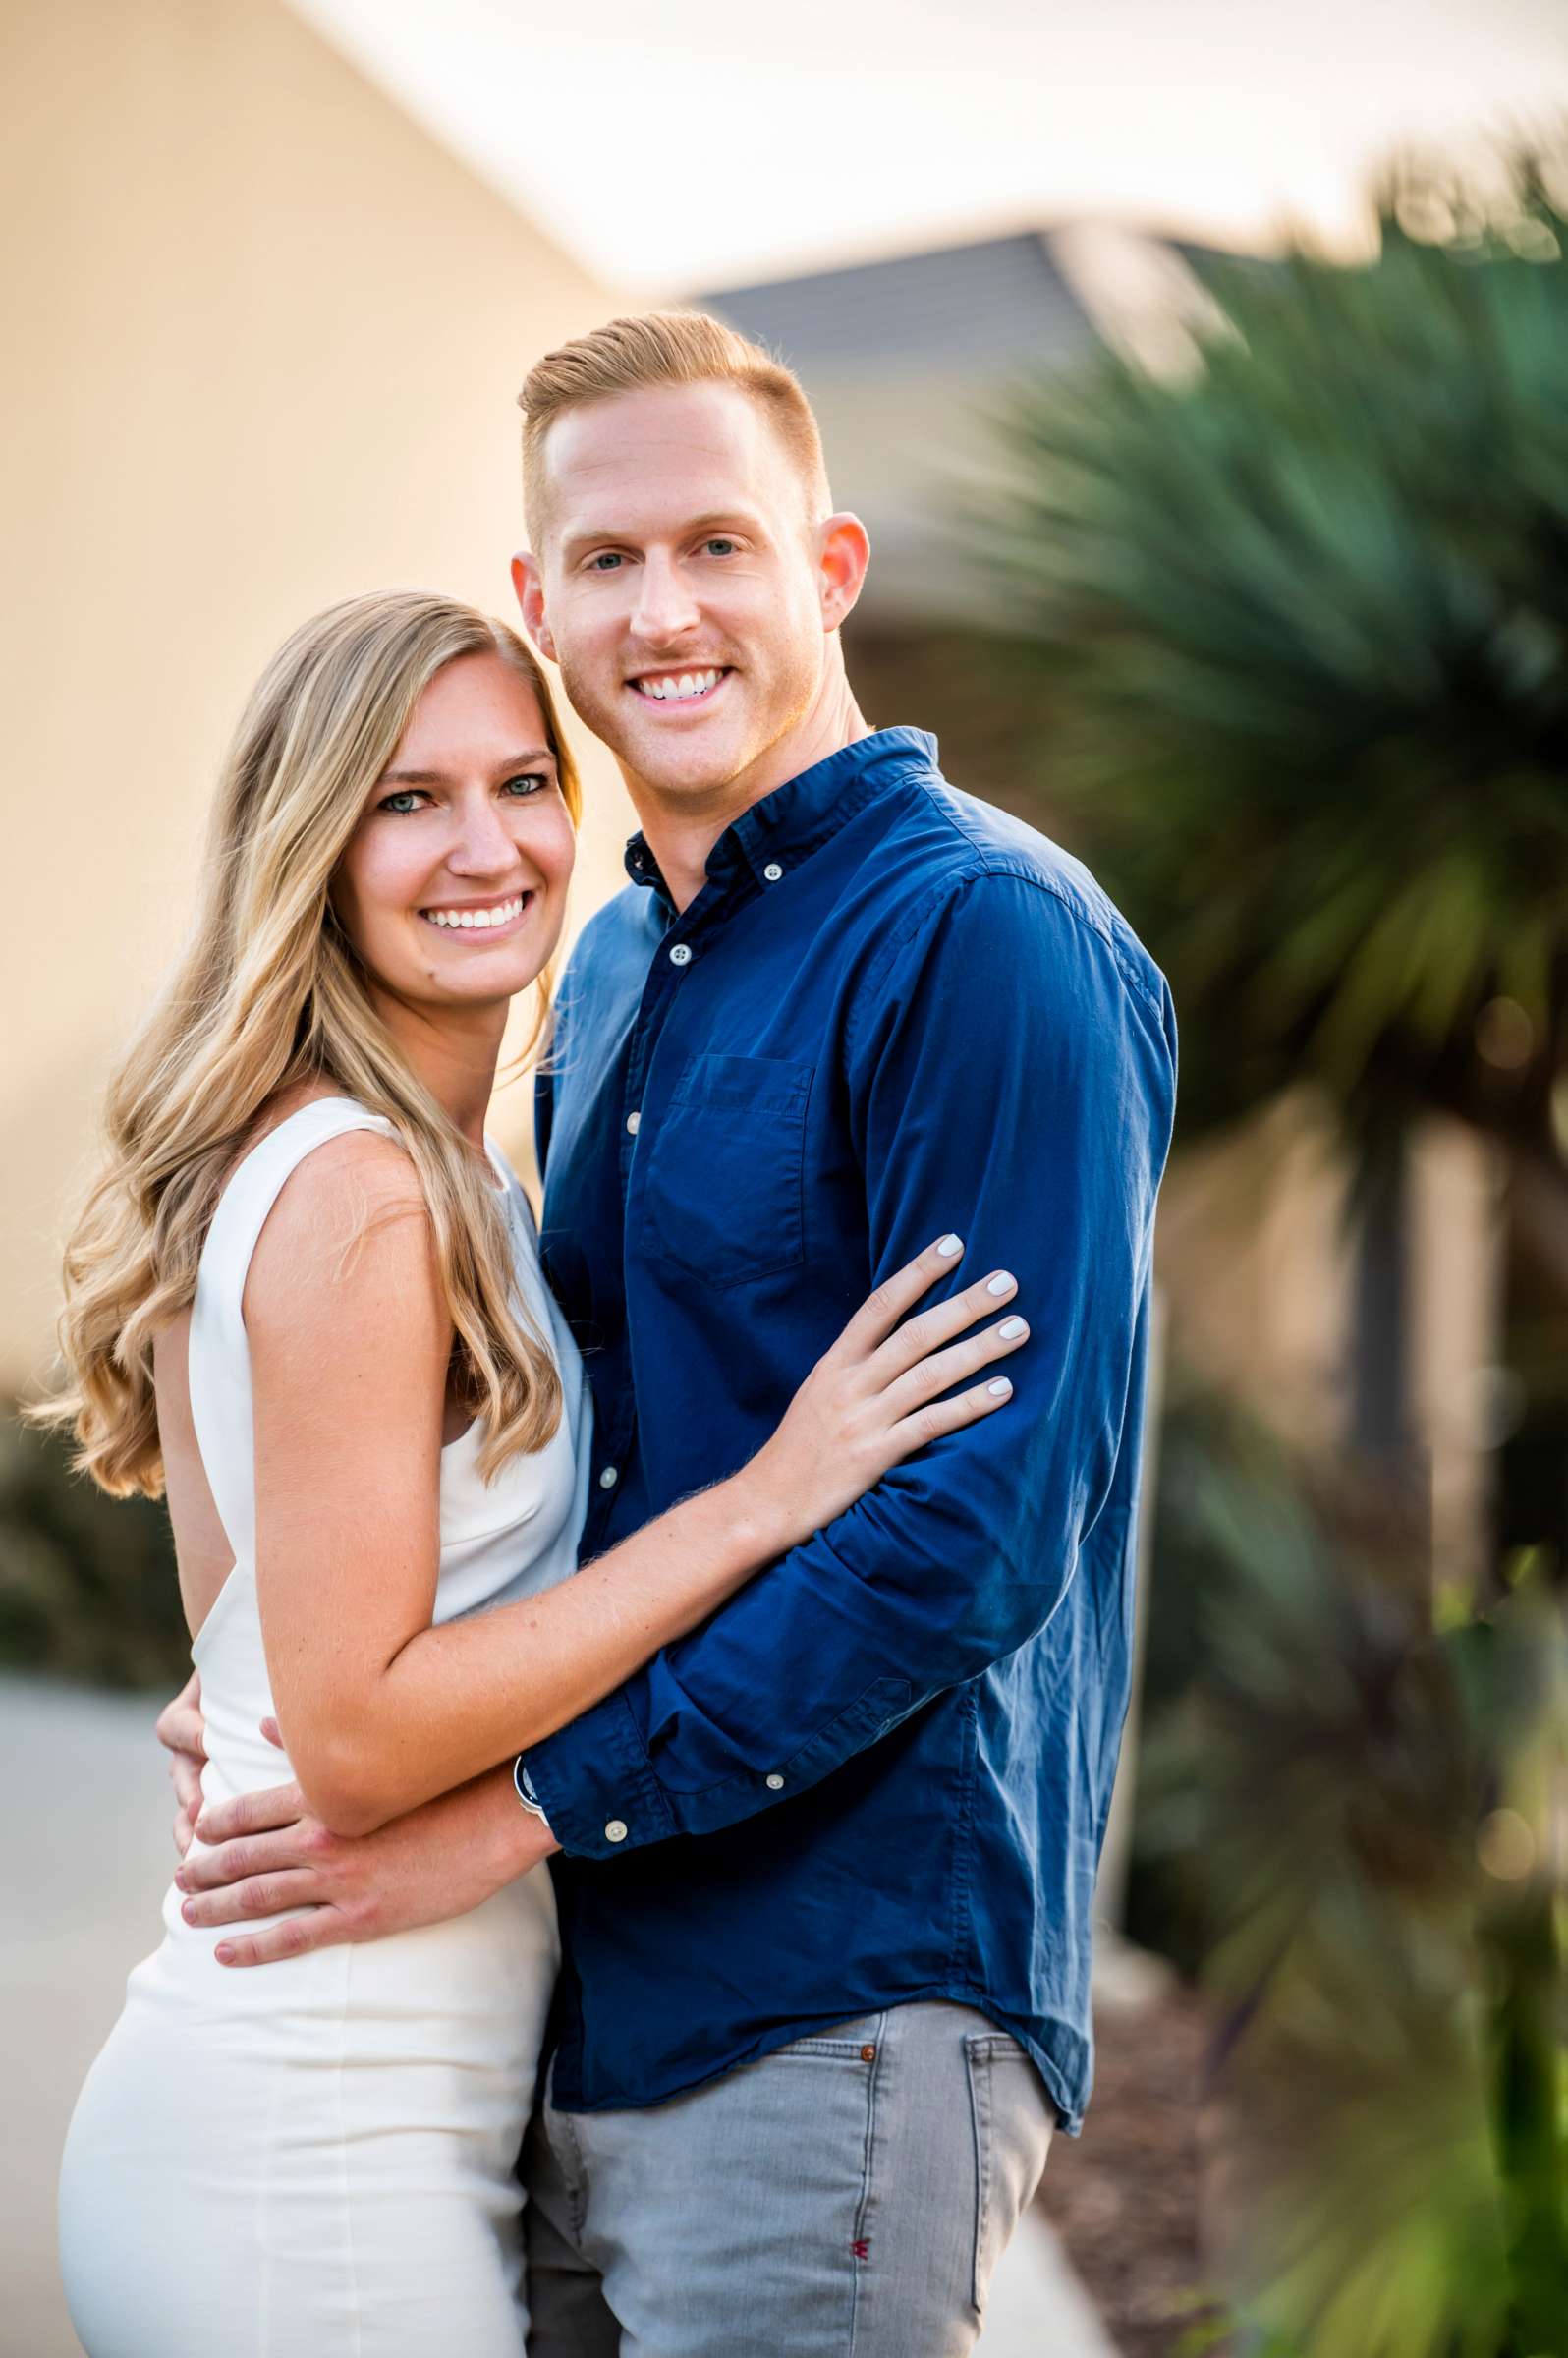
{"x":666,"y":348}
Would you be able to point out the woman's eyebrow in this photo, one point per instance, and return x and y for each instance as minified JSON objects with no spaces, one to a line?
{"x":535,"y":755}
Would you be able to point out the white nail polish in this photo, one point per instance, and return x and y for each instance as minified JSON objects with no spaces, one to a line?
{"x":1001,"y":1283}
{"x":1009,"y":1327}
{"x":1000,"y":1388}
{"x":949,"y":1245}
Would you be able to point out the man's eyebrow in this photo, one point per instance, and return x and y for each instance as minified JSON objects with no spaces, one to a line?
{"x":586,"y":536}
{"x":531,"y":758}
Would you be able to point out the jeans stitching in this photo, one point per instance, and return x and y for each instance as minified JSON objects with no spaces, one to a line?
{"x":862,"y":2211}
{"x":978,"y":2056}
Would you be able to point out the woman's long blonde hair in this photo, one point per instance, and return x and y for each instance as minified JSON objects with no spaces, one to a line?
{"x":269,"y":995}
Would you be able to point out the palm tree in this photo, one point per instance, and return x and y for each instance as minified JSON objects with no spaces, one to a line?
{"x":1301,"y":619}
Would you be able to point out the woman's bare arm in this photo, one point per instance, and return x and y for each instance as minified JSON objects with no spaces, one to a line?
{"x":349,"y":1349}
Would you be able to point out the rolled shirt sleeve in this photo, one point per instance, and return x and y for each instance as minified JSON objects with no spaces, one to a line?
{"x":1010,"y":1075}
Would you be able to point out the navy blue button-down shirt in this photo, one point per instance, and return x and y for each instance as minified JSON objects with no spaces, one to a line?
{"x":882,"y":1772}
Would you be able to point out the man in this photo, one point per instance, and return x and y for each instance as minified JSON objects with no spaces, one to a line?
{"x":825,"y":1868}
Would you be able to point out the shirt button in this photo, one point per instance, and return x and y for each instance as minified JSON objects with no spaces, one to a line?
{"x":775,"y":1785}
{"x":772,"y":871}
{"x":609,"y":1478}
{"x":615,"y":1831}
{"x":634,"y":1123}
{"x":680,"y":955}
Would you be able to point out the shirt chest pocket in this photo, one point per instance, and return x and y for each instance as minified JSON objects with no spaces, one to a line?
{"x":724,"y":1171}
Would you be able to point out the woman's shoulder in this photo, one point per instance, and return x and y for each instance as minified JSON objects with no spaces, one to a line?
{"x":350,"y":1215}
{"x":287,"y":1104}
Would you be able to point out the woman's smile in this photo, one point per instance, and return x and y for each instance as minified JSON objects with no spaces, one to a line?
{"x":481,"y":922}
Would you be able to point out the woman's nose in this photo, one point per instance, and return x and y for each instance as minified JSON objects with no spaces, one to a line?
{"x":482,"y":846}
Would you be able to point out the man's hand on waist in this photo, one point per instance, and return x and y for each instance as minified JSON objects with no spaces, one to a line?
{"x":263,"y":1852}
{"x":181,"y":1729}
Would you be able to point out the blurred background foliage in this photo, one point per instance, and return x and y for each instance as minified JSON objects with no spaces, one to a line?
{"x":87,"y":1583}
{"x":1292,"y":673}
{"x":1299,"y":620}
{"x":1351,"y":1830}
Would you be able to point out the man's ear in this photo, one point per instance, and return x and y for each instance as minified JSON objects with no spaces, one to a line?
{"x":527,"y":579}
{"x":846,"y":552}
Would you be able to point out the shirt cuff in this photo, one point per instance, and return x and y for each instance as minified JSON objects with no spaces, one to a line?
{"x":596,"y":1788}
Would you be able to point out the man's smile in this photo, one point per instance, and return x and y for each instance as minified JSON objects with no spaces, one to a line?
{"x":685,"y":688}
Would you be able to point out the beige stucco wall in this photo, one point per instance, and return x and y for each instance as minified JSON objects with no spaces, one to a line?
{"x":264,"y":337}
{"x":1255,"y":1253}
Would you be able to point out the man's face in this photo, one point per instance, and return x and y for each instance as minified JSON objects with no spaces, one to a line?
{"x":683,"y":593}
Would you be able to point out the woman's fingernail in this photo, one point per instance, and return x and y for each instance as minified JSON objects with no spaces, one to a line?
{"x":947,"y":1245}
{"x":1000,"y":1388}
{"x":1002,"y":1283}
{"x":1011,"y":1328}
{"x":224,"y":1953}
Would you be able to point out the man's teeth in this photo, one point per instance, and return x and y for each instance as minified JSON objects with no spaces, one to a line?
{"x":469,"y":919}
{"x":688,"y":683}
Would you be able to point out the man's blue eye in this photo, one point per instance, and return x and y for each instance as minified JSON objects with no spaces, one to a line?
{"x":604,"y":560}
{"x":724,"y":547}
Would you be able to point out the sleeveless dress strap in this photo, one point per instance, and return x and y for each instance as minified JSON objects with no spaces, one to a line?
{"x":219,"y":1355}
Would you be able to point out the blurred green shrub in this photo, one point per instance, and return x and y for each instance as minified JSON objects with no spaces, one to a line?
{"x":1291,"y":658}
{"x":1295,"y":623}
{"x":88,"y":1587}
{"x":1364,"y":1817}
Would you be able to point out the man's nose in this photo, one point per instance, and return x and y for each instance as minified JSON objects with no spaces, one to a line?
{"x":665,"y":605}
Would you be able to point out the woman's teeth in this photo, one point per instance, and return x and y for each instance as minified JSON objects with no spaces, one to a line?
{"x":468,"y":921}
{"x":681,"y":684}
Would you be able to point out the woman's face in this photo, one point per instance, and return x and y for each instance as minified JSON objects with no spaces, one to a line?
{"x":453,"y":886}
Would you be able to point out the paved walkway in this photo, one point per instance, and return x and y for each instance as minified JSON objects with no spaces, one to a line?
{"x":85,"y":1856}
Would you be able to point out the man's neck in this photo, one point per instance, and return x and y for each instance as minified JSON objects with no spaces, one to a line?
{"x":680,"y":830}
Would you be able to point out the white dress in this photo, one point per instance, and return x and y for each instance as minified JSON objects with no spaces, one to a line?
{"x":317,"y":2157}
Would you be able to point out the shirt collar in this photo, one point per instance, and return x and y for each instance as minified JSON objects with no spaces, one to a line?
{"x":786,"y":825}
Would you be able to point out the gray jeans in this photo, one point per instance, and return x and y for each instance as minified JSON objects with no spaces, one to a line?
{"x":847,"y":2197}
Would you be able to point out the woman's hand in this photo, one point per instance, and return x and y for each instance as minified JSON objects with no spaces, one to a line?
{"x":875,"y":1397}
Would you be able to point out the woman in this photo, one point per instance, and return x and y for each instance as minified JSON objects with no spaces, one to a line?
{"x":305,"y":1298}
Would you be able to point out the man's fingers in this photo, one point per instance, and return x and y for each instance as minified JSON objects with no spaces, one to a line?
{"x":257,"y":1895}
{"x":322,"y":1928}
{"x":179,"y":1725}
{"x":207,"y":1870}
{"x":251,"y":1814}
{"x":185,"y":1774}
{"x":183,"y":1731}
{"x":897,"y":1296}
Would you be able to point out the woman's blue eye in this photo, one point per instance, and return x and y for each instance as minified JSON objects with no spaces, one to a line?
{"x":531,"y":781}
{"x":406,"y":800}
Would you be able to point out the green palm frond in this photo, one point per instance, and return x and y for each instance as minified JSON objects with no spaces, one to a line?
{"x":1303,"y":621}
